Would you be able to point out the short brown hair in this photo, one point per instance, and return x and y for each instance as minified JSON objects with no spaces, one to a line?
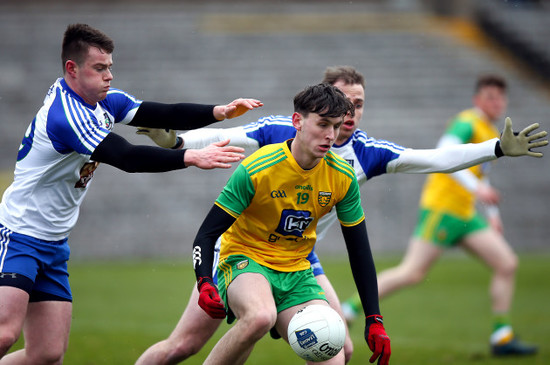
{"x":323,"y":99}
{"x":78,"y":38}
{"x":348,"y":74}
{"x":490,"y":80}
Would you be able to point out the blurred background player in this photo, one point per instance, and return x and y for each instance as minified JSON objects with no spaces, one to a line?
{"x":368,"y":156}
{"x":62,"y":148}
{"x":448,"y":218}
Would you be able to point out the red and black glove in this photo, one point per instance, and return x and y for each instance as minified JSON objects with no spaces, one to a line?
{"x":209,"y":298}
{"x":377,"y":339}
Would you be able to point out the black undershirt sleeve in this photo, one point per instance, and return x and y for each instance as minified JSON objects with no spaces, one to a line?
{"x":362,"y":266}
{"x":216,"y":222}
{"x":181,"y":116}
{"x":116,"y":151}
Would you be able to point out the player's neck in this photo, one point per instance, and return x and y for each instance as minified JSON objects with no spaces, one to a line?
{"x":302,"y":158}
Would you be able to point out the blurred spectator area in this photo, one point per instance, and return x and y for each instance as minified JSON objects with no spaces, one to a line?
{"x":420,"y":59}
{"x":521,"y":26}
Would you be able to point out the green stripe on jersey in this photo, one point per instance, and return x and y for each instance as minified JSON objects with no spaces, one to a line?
{"x":265,"y":161}
{"x":340,"y":165}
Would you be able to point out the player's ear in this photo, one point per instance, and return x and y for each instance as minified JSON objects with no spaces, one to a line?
{"x":297,"y":119}
{"x":71,"y":67}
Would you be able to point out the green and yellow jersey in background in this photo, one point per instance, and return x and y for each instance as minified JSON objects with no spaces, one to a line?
{"x":442,"y":192}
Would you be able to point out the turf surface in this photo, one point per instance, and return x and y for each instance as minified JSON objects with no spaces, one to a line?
{"x":121,"y":308}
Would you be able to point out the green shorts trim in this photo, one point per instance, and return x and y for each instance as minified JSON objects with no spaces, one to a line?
{"x":446,"y":229}
{"x":288,"y":288}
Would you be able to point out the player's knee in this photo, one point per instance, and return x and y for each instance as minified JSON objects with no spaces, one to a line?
{"x":414,"y":277}
{"x":51,"y":355}
{"x":260,"y":322}
{"x":184,"y":350}
{"x":348,"y":351}
{"x":508,"y":266}
{"x":7,"y":340}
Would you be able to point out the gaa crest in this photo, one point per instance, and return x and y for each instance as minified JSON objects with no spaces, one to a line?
{"x":324,"y":198}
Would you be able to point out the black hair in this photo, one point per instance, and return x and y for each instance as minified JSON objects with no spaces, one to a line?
{"x":78,"y":38}
{"x":323,"y":99}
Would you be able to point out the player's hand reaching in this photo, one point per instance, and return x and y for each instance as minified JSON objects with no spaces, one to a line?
{"x":162,"y":137}
{"x":522,"y":143}
{"x":209,"y":298}
{"x":236,"y":108}
{"x":377,"y":339}
{"x":215,"y":155}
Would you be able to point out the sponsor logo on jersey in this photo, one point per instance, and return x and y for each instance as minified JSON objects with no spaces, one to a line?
{"x":350,"y":162}
{"x":324,"y":198}
{"x":241,"y":265}
{"x":86,"y":174}
{"x":273,"y":238}
{"x":294,"y":222}
{"x":304,"y":187}
{"x":278,"y":194}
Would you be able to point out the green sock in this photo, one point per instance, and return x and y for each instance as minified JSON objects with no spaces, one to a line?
{"x":502,"y":330}
{"x":500,"y":320}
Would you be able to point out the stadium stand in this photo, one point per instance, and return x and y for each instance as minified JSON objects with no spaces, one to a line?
{"x":523,"y":29}
{"x":419,"y":67}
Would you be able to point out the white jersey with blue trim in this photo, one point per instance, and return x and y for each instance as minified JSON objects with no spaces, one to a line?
{"x":53,"y":169}
{"x":369,"y":157}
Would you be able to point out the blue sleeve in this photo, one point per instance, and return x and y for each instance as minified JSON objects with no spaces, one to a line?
{"x":374,"y":155}
{"x":315,"y":263}
{"x":120,"y":105}
{"x":272,"y":129}
{"x":73,"y":127}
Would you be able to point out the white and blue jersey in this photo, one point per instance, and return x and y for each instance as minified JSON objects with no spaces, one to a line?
{"x":270,"y":130}
{"x":368,"y":157}
{"x":53,"y":168}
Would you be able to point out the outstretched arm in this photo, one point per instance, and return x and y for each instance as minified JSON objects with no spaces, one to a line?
{"x":185,"y":116}
{"x":199,"y":138}
{"x":204,"y":136}
{"x":114,"y":150}
{"x":446,"y":159}
{"x":452,"y":155}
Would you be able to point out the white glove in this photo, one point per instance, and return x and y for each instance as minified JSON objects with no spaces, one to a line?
{"x":162,"y":137}
{"x":521,"y":144}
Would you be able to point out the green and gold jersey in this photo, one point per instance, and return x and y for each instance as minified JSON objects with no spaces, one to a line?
{"x":277,"y":205}
{"x":444,"y":193}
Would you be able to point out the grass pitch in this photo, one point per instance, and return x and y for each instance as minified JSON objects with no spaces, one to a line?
{"x":121,"y":308}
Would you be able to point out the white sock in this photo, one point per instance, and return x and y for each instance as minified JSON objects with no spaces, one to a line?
{"x":502,"y":335}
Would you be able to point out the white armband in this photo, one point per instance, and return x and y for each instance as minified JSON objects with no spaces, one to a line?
{"x":199,"y":138}
{"x":450,"y":156}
